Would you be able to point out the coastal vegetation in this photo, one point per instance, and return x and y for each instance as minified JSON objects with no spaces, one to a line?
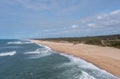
{"x":107,"y":40}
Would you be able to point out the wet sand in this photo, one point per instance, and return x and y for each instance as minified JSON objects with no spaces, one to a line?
{"x":106,"y":58}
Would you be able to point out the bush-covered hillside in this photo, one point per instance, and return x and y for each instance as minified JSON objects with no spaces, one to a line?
{"x":109,"y":40}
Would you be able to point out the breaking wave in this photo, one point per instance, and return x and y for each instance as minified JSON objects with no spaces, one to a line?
{"x":8,"y":53}
{"x":89,"y":71}
{"x":40,"y":52}
{"x":19,"y":42}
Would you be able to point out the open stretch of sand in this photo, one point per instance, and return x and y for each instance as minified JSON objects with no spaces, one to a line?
{"x":106,"y":58}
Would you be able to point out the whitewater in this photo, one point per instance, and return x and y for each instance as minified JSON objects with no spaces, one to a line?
{"x":21,"y":59}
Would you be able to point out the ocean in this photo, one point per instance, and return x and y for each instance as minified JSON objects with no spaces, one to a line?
{"x":22,"y":59}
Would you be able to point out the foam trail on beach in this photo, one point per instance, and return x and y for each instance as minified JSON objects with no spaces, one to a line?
{"x":86,"y":76}
{"x":48,"y":48}
{"x":87,"y":68}
{"x":8,"y":53}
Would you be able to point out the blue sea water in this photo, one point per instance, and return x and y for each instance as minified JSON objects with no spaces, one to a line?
{"x":22,"y":59}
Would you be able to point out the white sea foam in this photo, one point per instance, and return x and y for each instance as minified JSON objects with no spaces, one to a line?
{"x":40,"y":52}
{"x":81,"y":62}
{"x":8,"y":53}
{"x":46,"y":47}
{"x":84,"y":65}
{"x":19,"y":42}
{"x":37,"y":51}
{"x":86,"y":76}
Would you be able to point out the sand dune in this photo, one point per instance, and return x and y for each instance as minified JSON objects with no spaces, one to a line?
{"x":106,"y":58}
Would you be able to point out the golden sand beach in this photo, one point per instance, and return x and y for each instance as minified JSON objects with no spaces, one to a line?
{"x":106,"y":58}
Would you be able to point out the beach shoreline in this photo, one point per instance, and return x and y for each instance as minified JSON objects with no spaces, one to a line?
{"x":106,"y":58}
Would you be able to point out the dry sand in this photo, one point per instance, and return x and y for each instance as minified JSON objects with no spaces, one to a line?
{"x":106,"y":58}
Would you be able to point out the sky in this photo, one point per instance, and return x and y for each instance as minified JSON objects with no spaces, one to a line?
{"x":22,"y":19}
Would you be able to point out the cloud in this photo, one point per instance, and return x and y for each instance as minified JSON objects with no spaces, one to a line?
{"x":95,"y":24}
{"x":115,"y":12}
{"x":92,"y":25}
{"x":74,"y":26}
{"x":99,"y":17}
{"x":98,"y":24}
{"x":106,"y":20}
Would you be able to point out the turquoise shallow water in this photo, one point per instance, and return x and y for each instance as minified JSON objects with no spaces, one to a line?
{"x":21,"y":59}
